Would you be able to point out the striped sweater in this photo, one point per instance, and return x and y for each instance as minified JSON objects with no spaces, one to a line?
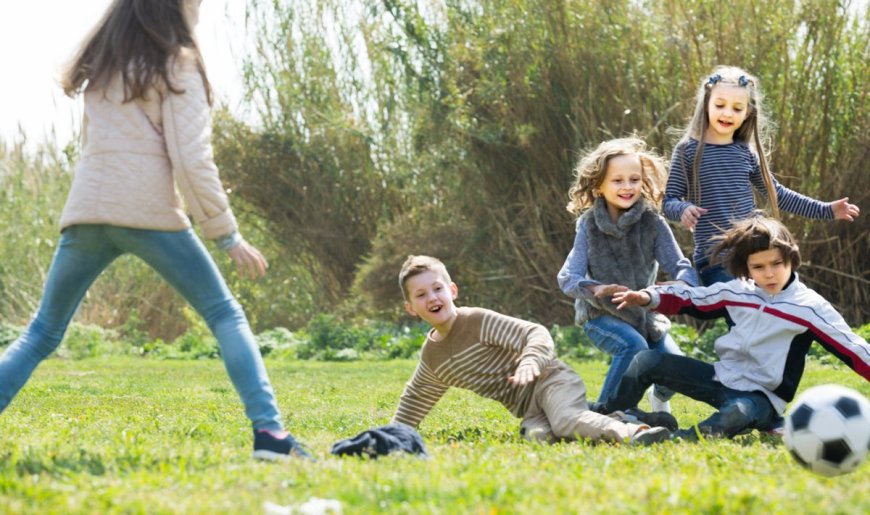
{"x":482,"y":349}
{"x":727,"y":175}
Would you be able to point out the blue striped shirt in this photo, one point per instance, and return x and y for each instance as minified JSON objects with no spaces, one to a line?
{"x":728,"y":174}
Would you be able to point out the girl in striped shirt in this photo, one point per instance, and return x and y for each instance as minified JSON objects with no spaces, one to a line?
{"x":720,"y":159}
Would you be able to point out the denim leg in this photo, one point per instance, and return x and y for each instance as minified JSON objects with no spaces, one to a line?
{"x":688,"y":376}
{"x":739,"y":411}
{"x":714,"y":274}
{"x":667,"y":345}
{"x":182,"y":259}
{"x":82,"y":254}
{"x":618,"y":339}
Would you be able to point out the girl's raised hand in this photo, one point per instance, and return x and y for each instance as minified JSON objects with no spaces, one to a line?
{"x":631,"y":298}
{"x":605,"y":290}
{"x":690,"y":216}
{"x":843,"y":210}
{"x":249,"y":261}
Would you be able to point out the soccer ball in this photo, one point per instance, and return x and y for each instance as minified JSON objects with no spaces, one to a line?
{"x":827,"y":429}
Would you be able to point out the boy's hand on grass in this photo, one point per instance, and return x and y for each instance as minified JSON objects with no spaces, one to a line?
{"x":525,"y":373}
{"x":606,"y":290}
{"x":631,"y":298}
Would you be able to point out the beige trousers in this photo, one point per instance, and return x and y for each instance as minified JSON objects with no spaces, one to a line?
{"x":558,"y":411}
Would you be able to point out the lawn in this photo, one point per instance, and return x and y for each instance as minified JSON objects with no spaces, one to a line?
{"x":133,"y":435}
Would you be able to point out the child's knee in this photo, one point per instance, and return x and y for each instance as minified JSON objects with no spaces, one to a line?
{"x":646,"y":360}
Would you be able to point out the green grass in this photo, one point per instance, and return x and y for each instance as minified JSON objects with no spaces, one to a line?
{"x":131,"y":435}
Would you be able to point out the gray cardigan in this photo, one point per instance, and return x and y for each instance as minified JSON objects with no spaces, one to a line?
{"x":627,"y":252}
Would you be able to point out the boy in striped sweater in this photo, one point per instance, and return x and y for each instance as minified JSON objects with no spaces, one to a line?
{"x":505,"y":359}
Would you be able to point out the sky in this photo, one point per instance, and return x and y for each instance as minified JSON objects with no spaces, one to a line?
{"x":38,"y":36}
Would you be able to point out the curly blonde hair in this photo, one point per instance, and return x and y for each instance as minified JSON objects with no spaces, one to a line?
{"x":592,"y":169}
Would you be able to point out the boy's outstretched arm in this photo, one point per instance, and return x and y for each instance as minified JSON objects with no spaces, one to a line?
{"x":631,"y":298}
{"x":680,"y":299}
{"x":834,"y":334}
{"x":420,"y":395}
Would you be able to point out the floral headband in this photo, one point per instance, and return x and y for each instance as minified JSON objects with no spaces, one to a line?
{"x":742,"y":81}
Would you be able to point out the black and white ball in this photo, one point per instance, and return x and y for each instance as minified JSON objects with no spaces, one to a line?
{"x":827,"y":429}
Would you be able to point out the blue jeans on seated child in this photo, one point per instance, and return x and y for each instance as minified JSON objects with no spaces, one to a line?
{"x":737,"y":410}
{"x":712,"y":274}
{"x":623,"y":342}
{"x":84,"y":251}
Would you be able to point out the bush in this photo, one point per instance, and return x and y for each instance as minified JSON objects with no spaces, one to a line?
{"x":279,"y":342}
{"x":90,"y":341}
{"x":573,"y":343}
{"x":329,"y":338}
{"x":9,"y":333}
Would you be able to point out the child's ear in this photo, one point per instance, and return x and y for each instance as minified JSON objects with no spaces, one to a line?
{"x":454,"y":291}
{"x":409,"y":309}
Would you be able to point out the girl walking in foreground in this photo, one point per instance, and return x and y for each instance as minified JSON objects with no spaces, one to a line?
{"x":146,"y":131}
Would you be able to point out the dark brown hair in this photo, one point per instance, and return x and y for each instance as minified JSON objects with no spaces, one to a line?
{"x":136,"y":39}
{"x":416,"y":265}
{"x":755,"y":234}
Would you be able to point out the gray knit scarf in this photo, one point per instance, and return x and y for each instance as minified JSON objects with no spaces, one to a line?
{"x":623,"y":253}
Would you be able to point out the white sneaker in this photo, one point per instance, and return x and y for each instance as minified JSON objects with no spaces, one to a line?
{"x":657,"y":404}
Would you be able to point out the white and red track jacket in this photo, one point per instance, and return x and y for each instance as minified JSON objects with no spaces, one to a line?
{"x":769,"y":335}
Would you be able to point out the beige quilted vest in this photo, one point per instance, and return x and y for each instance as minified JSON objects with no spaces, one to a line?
{"x":135,"y":155}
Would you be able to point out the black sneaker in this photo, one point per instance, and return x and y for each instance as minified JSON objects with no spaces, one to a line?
{"x":651,"y":435}
{"x":274,"y":446}
{"x":656,"y":418}
{"x":698,"y":433}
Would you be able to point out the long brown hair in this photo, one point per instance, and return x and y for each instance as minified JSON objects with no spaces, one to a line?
{"x":136,"y":39}
{"x":753,"y":131}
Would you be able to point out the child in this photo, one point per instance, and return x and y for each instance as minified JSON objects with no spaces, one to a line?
{"x":710,"y":185}
{"x":620,"y":241}
{"x":773,"y":319}
{"x":146,"y":130}
{"x":500,"y":358}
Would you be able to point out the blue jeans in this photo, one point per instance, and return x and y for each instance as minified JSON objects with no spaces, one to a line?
{"x":623,"y":341}
{"x":84,"y":251}
{"x":712,"y":274}
{"x":737,"y":410}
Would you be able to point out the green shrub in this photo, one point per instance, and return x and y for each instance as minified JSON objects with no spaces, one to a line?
{"x":279,"y":342}
{"x":572,"y":343}
{"x":328,"y":338}
{"x":327,"y":335}
{"x":90,"y":341}
{"x":8,"y":333}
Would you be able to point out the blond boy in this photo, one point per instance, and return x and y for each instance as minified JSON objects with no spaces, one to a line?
{"x":502,"y":358}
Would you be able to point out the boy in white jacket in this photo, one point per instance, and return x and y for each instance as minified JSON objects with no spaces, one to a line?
{"x":773,"y":319}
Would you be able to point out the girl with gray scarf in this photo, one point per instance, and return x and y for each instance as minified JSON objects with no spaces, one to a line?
{"x":621,"y":241}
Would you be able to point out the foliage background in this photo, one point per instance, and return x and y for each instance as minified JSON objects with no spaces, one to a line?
{"x":450,"y":127}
